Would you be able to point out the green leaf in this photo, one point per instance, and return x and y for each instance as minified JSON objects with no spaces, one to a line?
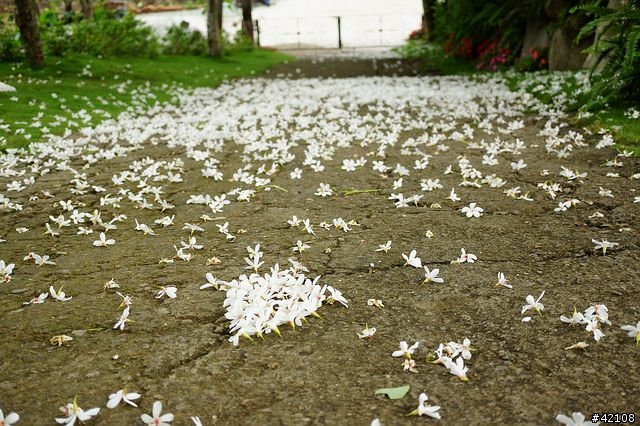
{"x":394,"y":393}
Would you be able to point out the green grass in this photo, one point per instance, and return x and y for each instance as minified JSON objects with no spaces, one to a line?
{"x":548,"y":87}
{"x":433,"y":59}
{"x":626,"y":130}
{"x":70,"y":93}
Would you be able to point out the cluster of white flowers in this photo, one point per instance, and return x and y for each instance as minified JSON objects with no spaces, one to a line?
{"x":259,"y":304}
{"x":593,"y":318}
{"x":452,"y":356}
{"x":5,"y":270}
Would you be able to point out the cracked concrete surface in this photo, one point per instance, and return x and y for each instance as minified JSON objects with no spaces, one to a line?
{"x":321,"y":373}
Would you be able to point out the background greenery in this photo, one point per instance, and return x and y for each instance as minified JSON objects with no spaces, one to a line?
{"x":77,"y":91}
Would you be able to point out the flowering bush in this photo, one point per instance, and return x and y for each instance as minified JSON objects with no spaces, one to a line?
{"x":462,"y":48}
{"x":491,"y":56}
{"x":536,"y":60}
{"x":416,"y":34}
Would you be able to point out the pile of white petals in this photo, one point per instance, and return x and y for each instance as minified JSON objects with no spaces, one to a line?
{"x":259,"y":304}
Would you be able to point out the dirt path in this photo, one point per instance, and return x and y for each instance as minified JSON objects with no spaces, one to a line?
{"x":249,"y":137}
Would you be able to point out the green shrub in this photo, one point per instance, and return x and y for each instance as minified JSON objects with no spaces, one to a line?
{"x":179,"y":40}
{"x":615,"y":75}
{"x":417,"y":48}
{"x":502,"y":21}
{"x":239,"y":43}
{"x":106,"y":35}
{"x":10,"y":45}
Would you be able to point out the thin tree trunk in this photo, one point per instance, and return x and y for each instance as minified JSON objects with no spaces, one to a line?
{"x":427,"y":19}
{"x":214,"y":27}
{"x":87,"y":9}
{"x":247,"y":20}
{"x":67,"y":17}
{"x":27,"y":21}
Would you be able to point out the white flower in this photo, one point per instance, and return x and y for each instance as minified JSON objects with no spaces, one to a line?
{"x":103,"y":242}
{"x":412,"y":259}
{"x":300,"y":246}
{"x":169,"y":291}
{"x":367,"y":333}
{"x":122,"y":395}
{"x":124,"y":317}
{"x":409,"y":365}
{"x":196,"y":228}
{"x":6,"y":270}
{"x":424,"y":409}
{"x":39,"y":260}
{"x":431,"y":275}
{"x":307,"y":226}
{"x":576,"y":419}
{"x":576,"y":318}
{"x":405,"y":350}
{"x":111,"y":284}
{"x":296,"y":174}
{"x":503,"y":281}
{"x":324,"y":190}
{"x":59,"y":295}
{"x":465,"y":348}
{"x":533,"y":304}
{"x":384,"y":247}
{"x":457,"y":368}
{"x":157,"y":419}
{"x":512,"y":192}
{"x":144,"y":228}
{"x":599,"y":312}
{"x":37,"y":300}
{"x":212,"y":282}
{"x":634,"y":331}
{"x":453,"y":196}
{"x":604,"y":245}
{"x":126,"y":300}
{"x":605,"y":192}
{"x":73,"y":413}
{"x":336,"y":296}
{"x":472,"y":210}
{"x":375,"y":302}
{"x":294,"y":221}
{"x":9,"y":420}
{"x":165,"y":220}
{"x":516,"y":167}
{"x":593,"y":325}
{"x":465,"y":257}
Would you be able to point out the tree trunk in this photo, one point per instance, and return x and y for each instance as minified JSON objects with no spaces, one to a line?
{"x":427,"y":19}
{"x":27,"y":21}
{"x":247,"y":20}
{"x":87,"y":9}
{"x":67,"y":16}
{"x":214,"y":27}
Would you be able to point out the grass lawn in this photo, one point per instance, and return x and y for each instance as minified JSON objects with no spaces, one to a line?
{"x":547,"y":87}
{"x":71,"y":93}
{"x":625,"y":128}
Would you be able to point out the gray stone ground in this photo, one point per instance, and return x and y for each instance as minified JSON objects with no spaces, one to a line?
{"x":177,"y":350}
